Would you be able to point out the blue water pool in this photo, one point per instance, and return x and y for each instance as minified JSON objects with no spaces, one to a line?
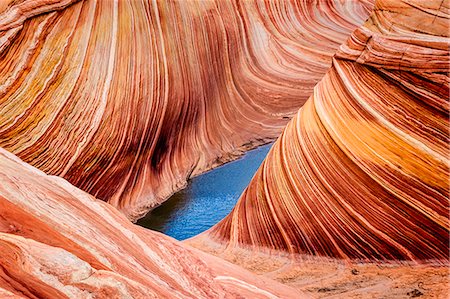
{"x":207,"y":199}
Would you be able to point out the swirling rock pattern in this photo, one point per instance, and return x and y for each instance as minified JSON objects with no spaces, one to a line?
{"x":127,"y":99}
{"x":57,"y":241}
{"x":362,"y":171}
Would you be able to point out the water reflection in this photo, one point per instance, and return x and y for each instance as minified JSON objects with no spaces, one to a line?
{"x":206,"y":200}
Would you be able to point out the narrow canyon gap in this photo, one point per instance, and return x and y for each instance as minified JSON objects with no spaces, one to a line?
{"x":206,"y":200}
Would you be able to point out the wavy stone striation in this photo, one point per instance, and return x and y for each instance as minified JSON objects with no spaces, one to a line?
{"x":127,"y":99}
{"x":57,"y":241}
{"x":362,"y":171}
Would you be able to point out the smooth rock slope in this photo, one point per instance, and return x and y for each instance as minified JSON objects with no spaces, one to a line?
{"x":57,"y":241}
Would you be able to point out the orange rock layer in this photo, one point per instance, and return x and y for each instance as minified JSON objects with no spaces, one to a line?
{"x":57,"y":241}
{"x":127,"y":99}
{"x":362,"y":171}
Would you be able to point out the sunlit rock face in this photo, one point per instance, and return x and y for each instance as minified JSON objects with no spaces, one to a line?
{"x":362,"y":171}
{"x":126,"y":99}
{"x":57,"y":241}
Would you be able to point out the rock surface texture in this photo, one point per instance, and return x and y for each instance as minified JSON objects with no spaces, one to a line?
{"x":57,"y":241}
{"x":362,"y":171}
{"x":127,"y":99}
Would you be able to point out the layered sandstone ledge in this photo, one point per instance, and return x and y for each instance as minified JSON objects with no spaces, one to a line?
{"x":127,"y":99}
{"x":57,"y":241}
{"x":361,"y":173}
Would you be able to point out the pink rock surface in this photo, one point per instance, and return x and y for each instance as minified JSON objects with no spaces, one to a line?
{"x":57,"y":241}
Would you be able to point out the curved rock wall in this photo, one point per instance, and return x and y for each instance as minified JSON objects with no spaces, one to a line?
{"x":362,"y":171}
{"x":126,"y":99}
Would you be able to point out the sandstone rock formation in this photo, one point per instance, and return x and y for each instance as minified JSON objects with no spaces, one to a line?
{"x":362,"y":171}
{"x":57,"y":241}
{"x":127,"y":99}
